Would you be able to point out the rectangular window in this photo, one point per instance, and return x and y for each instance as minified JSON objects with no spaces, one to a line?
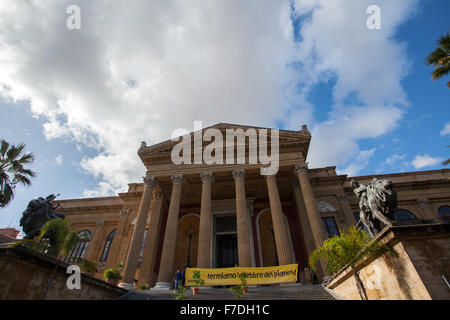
{"x":330,"y":226}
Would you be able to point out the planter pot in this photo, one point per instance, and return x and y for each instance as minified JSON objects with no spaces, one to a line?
{"x":245,"y":289}
{"x":195,"y":291}
{"x":113,"y":282}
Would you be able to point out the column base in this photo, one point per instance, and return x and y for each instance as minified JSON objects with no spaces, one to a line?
{"x":162,"y":286}
{"x":126,"y":286}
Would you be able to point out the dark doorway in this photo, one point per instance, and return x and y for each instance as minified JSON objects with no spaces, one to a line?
{"x":227,"y":252}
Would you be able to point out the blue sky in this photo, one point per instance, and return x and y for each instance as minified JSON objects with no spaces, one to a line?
{"x":68,"y":95}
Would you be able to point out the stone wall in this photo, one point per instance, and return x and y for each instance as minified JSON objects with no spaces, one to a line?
{"x":414,"y":274}
{"x":24,"y":276}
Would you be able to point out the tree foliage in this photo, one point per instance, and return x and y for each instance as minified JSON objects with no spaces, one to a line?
{"x":57,"y":239}
{"x":440,"y":58}
{"x":12,"y":170}
{"x":339,"y":251}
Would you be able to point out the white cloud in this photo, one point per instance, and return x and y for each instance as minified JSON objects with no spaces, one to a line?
{"x":367,"y":65}
{"x":137,"y":72}
{"x":422,"y":161}
{"x":59,"y":160}
{"x":446,"y":129}
{"x":359,"y":163}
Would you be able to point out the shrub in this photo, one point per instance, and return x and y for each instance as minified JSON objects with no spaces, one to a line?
{"x":351,"y":246}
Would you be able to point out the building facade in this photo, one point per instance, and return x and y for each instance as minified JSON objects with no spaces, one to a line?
{"x":223,"y":215}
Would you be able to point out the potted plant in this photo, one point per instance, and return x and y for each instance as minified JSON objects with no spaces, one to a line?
{"x":244,"y":282}
{"x":241,"y":288}
{"x":197,"y":283}
{"x":180,"y":293}
{"x":112,"y":275}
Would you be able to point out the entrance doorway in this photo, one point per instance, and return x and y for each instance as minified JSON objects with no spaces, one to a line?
{"x":227,"y":252}
{"x":225,"y":234}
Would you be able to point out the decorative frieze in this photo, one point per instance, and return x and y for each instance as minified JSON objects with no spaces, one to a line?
{"x":422,"y":203}
{"x":325,"y":207}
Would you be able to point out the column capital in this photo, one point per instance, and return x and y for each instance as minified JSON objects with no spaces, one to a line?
{"x":301,"y":168}
{"x":99,"y":223}
{"x":206,"y":176}
{"x":150,"y":181}
{"x":239,"y":174}
{"x":177,"y":178}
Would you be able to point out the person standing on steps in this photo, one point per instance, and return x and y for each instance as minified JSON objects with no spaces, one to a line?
{"x":177,"y":279}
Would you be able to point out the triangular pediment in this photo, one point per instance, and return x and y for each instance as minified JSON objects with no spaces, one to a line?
{"x":288,"y":139}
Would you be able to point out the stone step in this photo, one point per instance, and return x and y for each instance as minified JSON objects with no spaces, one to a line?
{"x":293,"y":292}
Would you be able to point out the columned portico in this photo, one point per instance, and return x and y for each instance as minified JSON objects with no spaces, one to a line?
{"x":243,"y":233}
{"x":133,"y":254}
{"x":204,"y":242}
{"x":282,"y":242}
{"x":168,"y":254}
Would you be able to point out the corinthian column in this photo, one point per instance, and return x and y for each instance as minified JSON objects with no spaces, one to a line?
{"x":168,"y":253}
{"x":204,"y":237}
{"x":310,"y":202}
{"x":151,"y":242}
{"x":243,"y":234}
{"x":311,"y":208}
{"x":282,"y":243}
{"x":138,"y":233}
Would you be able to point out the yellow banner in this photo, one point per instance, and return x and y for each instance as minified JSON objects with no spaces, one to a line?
{"x":231,"y":276}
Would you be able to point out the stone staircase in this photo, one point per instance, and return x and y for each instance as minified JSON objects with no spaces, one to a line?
{"x":285,"y":292}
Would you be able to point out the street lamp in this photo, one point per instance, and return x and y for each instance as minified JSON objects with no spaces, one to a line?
{"x":189,"y":232}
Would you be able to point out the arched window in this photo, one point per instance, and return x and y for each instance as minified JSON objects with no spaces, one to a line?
{"x":444,"y":213}
{"x":80,"y":249}
{"x":403,"y":215}
{"x":108,"y":243}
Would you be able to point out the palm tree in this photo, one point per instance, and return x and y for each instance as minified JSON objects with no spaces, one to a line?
{"x":12,"y":171}
{"x":57,"y":239}
{"x":440,"y":58}
{"x":446,"y":162}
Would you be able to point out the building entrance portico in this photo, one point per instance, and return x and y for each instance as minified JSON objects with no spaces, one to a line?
{"x":205,"y":214}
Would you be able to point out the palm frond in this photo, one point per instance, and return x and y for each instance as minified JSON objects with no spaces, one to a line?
{"x":4,"y":147}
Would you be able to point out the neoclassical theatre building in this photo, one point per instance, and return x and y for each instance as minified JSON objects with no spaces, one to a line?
{"x":224,"y":215}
